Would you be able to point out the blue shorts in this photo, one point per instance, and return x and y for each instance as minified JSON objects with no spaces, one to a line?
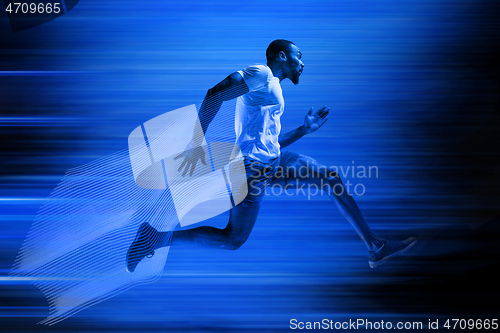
{"x":260,"y":175}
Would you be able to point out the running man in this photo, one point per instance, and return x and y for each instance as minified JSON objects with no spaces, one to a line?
{"x":259,"y":107}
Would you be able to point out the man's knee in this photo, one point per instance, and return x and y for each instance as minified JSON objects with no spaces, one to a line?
{"x":331,"y":182}
{"x":333,"y":177}
{"x":236,"y":241}
{"x":240,"y":225}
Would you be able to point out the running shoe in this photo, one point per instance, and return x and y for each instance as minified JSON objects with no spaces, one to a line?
{"x":141,"y":247}
{"x":389,"y":250}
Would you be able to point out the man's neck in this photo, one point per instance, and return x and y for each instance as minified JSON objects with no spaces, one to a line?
{"x":277,"y":70}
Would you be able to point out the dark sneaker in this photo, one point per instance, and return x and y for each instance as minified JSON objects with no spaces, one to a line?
{"x":389,"y":250}
{"x":142,"y":246}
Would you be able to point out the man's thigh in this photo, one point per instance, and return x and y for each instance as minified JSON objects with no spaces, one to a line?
{"x":258,"y":176}
{"x":242,"y":217}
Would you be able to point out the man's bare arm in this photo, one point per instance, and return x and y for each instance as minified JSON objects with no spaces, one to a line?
{"x":286,"y":139}
{"x":231,"y":87}
{"x":312,"y":122}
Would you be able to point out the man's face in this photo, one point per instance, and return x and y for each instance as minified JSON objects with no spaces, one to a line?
{"x":294,"y":65}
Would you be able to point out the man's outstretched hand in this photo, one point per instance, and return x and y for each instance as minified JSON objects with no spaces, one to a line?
{"x":191,"y":157}
{"x":315,"y":119}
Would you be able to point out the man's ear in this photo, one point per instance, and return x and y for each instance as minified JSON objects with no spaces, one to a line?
{"x":282,"y":55}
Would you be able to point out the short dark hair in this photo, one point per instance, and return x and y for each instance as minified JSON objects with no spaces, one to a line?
{"x":276,"y":46}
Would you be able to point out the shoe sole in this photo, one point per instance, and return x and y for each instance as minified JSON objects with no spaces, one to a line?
{"x":374,"y":264}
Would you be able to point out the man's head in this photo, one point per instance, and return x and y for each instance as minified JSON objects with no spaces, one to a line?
{"x":286,"y":57}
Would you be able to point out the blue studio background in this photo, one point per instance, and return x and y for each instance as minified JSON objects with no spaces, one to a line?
{"x":413,"y":90}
